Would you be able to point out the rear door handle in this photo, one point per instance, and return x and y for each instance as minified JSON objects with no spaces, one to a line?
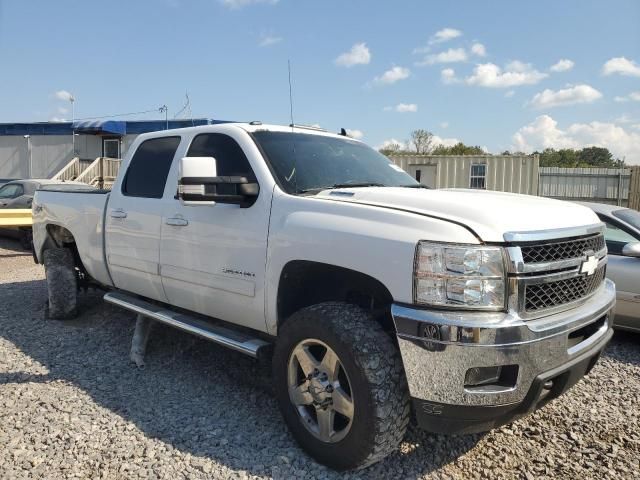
{"x":118,"y":213}
{"x":177,"y":222}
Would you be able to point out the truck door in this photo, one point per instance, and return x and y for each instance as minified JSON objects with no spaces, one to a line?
{"x":134,"y":217}
{"x":213,"y":256}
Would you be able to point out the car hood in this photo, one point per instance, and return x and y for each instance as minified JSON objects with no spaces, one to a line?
{"x":489,"y":214}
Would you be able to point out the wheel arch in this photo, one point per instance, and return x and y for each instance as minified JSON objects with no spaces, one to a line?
{"x":303,"y":283}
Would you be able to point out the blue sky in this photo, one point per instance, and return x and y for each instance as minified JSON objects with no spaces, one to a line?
{"x":477,"y":71}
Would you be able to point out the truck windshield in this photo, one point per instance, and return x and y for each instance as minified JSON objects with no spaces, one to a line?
{"x":307,"y":163}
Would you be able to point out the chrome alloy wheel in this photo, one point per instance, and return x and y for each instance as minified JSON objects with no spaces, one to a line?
{"x":320,"y":390}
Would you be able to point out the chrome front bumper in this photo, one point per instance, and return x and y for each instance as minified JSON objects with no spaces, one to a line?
{"x":439,"y":347}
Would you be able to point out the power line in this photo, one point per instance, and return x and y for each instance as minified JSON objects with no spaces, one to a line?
{"x":122,"y":114}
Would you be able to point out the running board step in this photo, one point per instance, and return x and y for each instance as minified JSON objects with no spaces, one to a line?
{"x":233,"y":339}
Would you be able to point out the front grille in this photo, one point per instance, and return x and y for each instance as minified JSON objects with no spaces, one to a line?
{"x":555,"y":251}
{"x":548,"y":295}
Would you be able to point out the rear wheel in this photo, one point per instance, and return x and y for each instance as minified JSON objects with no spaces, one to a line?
{"x":62,"y":285}
{"x":340,"y":385}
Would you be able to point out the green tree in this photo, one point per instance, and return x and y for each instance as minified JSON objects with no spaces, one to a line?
{"x":458,"y":149}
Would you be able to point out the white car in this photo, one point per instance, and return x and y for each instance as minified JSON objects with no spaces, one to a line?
{"x":370,"y":295}
{"x":622,"y":235}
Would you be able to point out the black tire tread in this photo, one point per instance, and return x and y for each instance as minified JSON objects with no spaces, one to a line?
{"x":62,"y":288}
{"x":381,"y":364}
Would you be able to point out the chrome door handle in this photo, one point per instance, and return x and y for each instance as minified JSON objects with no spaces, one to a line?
{"x":177,"y":222}
{"x":118,"y":213}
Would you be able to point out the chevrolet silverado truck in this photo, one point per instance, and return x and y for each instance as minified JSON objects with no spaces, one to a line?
{"x":374,"y":298}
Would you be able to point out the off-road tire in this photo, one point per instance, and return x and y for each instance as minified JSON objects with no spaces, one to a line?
{"x":62,"y":285}
{"x":378,"y":383}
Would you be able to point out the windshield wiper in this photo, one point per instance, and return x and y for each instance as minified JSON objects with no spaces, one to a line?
{"x":357,"y":185}
{"x":416,"y":185}
{"x":340,"y":185}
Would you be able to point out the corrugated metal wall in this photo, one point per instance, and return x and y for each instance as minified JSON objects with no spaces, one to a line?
{"x":602,"y":185}
{"x":504,"y":173}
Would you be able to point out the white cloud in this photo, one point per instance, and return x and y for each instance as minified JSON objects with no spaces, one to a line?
{"x":64,"y":95}
{"x":406,"y":107}
{"x":516,"y":73}
{"x":235,"y":4}
{"x":268,"y":40}
{"x":509,"y":93}
{"x":63,"y":110}
{"x":562,"y":65}
{"x":445,"y":142}
{"x":636,"y":126}
{"x":544,"y":132}
{"x":357,"y":134}
{"x":478,"y":49}
{"x":448,"y":56}
{"x":391,"y":143}
{"x":444,"y":124}
{"x":444,"y":35}
{"x":57,"y":119}
{"x":448,"y":76}
{"x":358,"y":55}
{"x":392,"y":75}
{"x":633,"y":96}
{"x":622,"y":66}
{"x":567,"y":96}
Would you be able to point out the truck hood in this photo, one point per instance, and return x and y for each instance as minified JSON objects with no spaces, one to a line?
{"x":489,"y":214}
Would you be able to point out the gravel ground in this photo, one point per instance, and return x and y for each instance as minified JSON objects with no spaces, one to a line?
{"x":73,"y":406}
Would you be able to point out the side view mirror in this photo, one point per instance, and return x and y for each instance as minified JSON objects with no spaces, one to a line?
{"x":199,"y":184}
{"x":631,"y":250}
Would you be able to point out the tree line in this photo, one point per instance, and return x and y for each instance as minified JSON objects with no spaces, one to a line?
{"x":422,"y":142}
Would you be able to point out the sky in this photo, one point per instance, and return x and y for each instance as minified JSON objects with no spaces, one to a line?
{"x":503,"y":75}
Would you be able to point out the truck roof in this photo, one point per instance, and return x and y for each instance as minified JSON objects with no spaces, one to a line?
{"x":248,"y":127}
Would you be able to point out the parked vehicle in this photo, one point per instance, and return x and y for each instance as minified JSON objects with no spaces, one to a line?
{"x":18,"y":194}
{"x":371,"y":295}
{"x":622,"y":235}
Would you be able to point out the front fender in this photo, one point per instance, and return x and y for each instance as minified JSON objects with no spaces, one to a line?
{"x":376,"y":241}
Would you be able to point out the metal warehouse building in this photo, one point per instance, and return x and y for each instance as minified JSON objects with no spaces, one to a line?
{"x":40,"y":150}
{"x":504,"y":173}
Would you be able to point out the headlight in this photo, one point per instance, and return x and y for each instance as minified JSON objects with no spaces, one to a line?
{"x":459,"y":276}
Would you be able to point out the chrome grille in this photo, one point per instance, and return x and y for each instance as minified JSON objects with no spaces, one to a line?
{"x":545,"y":295}
{"x":562,"y":250}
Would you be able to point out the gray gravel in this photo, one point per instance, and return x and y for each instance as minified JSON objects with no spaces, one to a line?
{"x":73,"y":406}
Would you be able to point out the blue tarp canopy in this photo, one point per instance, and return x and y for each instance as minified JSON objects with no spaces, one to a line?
{"x":111,"y":127}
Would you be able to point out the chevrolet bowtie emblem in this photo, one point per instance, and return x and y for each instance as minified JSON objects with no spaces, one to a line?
{"x":589,"y":266}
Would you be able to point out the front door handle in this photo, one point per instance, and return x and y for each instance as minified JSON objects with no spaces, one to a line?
{"x":118,"y":213}
{"x":177,"y":222}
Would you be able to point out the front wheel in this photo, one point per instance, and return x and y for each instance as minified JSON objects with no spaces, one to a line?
{"x":340,"y":385}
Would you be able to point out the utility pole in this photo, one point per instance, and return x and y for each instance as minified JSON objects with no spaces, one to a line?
{"x":28,"y":139}
{"x":164,"y":109}
{"x":73,"y":130}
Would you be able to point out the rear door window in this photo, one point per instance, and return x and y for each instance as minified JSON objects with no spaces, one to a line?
{"x":149,"y":167}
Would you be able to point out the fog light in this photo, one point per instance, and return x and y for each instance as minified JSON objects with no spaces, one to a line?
{"x":482,"y":376}
{"x":502,"y":377}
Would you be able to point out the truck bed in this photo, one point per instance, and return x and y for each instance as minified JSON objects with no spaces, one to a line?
{"x":81,"y":211}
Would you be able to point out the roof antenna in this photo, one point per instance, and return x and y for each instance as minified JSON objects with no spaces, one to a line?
{"x":293,"y":143}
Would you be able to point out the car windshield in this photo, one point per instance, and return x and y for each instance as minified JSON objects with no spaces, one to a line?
{"x":307,"y":163}
{"x":632,"y":217}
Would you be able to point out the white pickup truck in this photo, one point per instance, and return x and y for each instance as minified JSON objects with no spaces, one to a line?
{"x":372,"y":296}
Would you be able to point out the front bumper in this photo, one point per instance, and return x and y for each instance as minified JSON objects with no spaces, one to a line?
{"x":544,"y":357}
